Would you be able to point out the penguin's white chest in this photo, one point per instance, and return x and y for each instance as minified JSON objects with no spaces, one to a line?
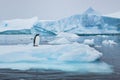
{"x":37,"y":40}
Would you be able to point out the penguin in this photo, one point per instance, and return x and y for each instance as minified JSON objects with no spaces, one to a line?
{"x":36,"y":40}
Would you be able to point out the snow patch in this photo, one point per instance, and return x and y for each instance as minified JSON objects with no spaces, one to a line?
{"x":67,"y":52}
{"x":68,"y":36}
{"x":109,"y":42}
{"x":18,"y":24}
{"x":60,"y":41}
{"x":114,"y":15}
{"x":89,"y":41}
{"x":65,"y":38}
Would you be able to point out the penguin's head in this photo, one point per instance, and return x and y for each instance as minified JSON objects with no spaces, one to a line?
{"x":37,"y":35}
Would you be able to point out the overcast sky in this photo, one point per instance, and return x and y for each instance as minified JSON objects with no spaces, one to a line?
{"x":53,"y":9}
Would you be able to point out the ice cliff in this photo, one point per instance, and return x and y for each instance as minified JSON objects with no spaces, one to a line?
{"x":89,"y":22}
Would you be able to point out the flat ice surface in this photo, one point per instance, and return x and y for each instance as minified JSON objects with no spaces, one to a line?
{"x":67,"y":52}
{"x":66,"y":57}
{"x":17,"y":24}
{"x":114,"y":15}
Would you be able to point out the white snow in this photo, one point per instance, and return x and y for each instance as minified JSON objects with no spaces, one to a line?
{"x":65,"y":38}
{"x":68,"y":36}
{"x":60,"y":41}
{"x":67,"y":52}
{"x":67,"y":57}
{"x":18,"y":24}
{"x":114,"y":15}
{"x":109,"y":42}
{"x":89,"y":41}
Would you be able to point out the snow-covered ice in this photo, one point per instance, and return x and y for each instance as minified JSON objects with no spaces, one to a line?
{"x":18,"y":24}
{"x":109,"y":42}
{"x":67,"y":57}
{"x":89,"y":41}
{"x":114,"y":15}
{"x":65,"y":38}
{"x":68,"y":36}
{"x":60,"y":41}
{"x":89,"y":22}
{"x":67,"y":52}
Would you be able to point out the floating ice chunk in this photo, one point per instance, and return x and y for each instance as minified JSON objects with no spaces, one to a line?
{"x":81,"y":68}
{"x":68,"y":36}
{"x":98,"y":46}
{"x":80,"y":53}
{"x":89,"y":41}
{"x":65,"y":38}
{"x":67,"y":52}
{"x":60,"y":41}
{"x":68,"y":57}
{"x":109,"y":42}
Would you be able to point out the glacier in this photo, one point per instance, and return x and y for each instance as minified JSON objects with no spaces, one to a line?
{"x":17,"y":26}
{"x":114,"y":15}
{"x":89,"y":22}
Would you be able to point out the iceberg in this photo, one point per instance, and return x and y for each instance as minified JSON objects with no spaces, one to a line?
{"x":91,"y":18}
{"x":66,"y":52}
{"x":89,"y":22}
{"x":65,"y":38}
{"x":17,"y":26}
{"x":43,"y":28}
{"x":113,"y":20}
{"x":89,"y":41}
{"x":114,"y":15}
{"x":58,"y":26}
{"x":69,"y":36}
{"x":66,"y":57}
{"x":109,"y":42}
{"x":60,"y":41}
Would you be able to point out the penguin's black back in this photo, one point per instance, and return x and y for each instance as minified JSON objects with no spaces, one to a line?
{"x":35,"y":39}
